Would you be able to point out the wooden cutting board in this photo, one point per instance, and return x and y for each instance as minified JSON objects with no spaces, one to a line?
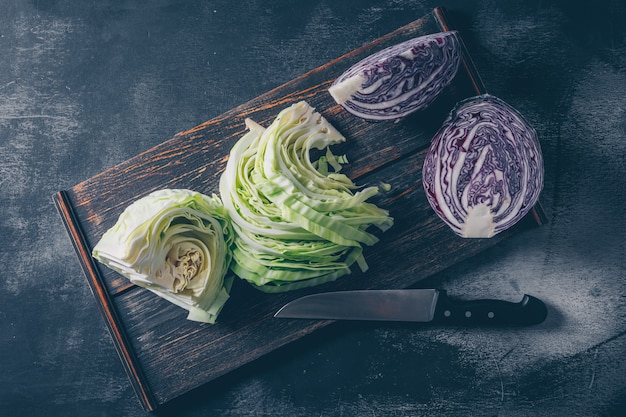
{"x":166,"y":355}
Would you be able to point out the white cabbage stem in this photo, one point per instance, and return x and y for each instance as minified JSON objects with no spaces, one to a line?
{"x":184,"y":263}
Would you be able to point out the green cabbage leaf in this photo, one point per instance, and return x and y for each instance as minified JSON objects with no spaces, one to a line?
{"x":176,"y":243}
{"x":298,"y":221}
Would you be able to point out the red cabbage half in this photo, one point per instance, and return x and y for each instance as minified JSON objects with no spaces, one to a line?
{"x":484,"y":169}
{"x":400,"y":79}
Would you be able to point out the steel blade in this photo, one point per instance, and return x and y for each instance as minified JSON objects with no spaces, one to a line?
{"x":416,"y":305}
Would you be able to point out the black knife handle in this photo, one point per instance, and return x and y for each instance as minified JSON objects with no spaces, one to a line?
{"x":530,"y":310}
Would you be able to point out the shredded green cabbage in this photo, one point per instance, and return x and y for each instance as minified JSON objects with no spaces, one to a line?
{"x":298,"y":222}
{"x":176,"y":243}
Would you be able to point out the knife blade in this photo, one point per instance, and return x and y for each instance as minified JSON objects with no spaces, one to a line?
{"x":414,"y":305}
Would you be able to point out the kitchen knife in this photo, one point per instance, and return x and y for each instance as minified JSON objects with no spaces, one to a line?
{"x":414,"y":305}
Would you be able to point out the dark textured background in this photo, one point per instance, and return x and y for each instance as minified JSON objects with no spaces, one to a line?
{"x":86,"y":85}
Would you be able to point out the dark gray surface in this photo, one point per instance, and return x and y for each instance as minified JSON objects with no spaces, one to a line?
{"x":85,"y":85}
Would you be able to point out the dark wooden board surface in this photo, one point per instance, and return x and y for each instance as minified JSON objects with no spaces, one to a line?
{"x":165,"y":355}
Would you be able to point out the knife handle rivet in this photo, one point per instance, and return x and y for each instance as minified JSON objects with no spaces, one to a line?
{"x":490,"y":314}
{"x":468,"y":314}
{"x":447,"y":313}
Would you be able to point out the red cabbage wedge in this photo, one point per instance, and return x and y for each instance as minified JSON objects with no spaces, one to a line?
{"x":400,"y":79}
{"x":484,"y":169}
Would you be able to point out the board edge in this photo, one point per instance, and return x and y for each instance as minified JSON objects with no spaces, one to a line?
{"x":104,"y":301}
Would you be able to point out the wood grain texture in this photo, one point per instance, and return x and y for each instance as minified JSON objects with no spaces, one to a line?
{"x":165,"y":355}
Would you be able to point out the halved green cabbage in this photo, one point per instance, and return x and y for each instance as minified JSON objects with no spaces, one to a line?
{"x":176,"y":243}
{"x":296,"y":223}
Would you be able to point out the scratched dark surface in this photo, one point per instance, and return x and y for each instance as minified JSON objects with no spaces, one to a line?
{"x":84,"y":86}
